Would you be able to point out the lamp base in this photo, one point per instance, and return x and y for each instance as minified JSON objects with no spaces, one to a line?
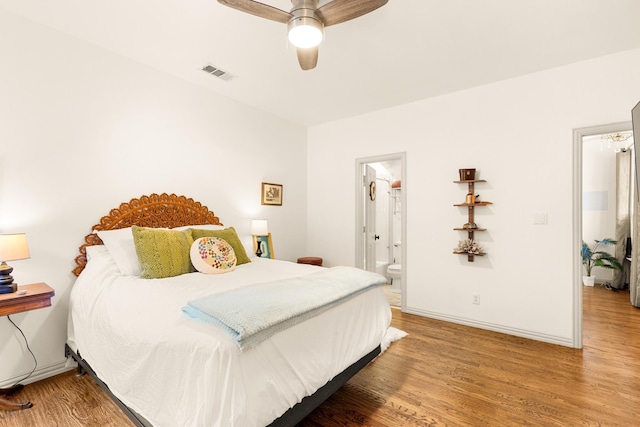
{"x":7,"y":289}
{"x":5,"y":274}
{"x":258,"y":250}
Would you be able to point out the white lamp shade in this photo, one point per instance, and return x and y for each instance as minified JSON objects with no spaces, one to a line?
{"x":13,"y":247}
{"x":259,"y":227}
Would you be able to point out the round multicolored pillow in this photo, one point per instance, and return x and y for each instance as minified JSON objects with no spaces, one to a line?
{"x":212,"y":255}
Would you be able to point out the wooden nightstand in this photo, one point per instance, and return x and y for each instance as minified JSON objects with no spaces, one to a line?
{"x":37,"y":295}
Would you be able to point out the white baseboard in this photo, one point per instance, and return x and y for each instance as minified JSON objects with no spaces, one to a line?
{"x":552,"y":339}
{"x":39,"y":374}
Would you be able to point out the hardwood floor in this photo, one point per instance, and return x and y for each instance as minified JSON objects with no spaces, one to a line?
{"x":442,"y":374}
{"x":65,"y":400}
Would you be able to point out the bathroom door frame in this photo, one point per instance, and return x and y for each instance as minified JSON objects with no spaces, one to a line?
{"x":359,"y":229}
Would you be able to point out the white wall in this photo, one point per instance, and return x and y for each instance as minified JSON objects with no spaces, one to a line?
{"x":518,"y":134}
{"x":82,"y":129}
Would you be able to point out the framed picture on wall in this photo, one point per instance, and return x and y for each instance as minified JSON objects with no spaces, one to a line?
{"x":266,"y":246}
{"x":271,"y":194}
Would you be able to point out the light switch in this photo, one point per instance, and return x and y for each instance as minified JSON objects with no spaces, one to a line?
{"x":540,"y":218}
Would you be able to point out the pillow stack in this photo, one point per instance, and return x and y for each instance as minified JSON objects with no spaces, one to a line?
{"x":155,"y":253}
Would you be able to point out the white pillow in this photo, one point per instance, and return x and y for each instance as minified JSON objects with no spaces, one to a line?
{"x":94,"y":250}
{"x":122,"y":249}
{"x":201,"y":227}
{"x":212,"y":255}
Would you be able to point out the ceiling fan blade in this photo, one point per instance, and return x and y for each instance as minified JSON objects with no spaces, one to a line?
{"x":307,"y":57}
{"x":339,"y":11}
{"x":258,"y":9}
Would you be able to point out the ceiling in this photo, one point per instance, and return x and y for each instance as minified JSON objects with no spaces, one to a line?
{"x":403,"y":52}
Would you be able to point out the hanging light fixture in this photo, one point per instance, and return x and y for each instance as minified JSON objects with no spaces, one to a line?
{"x":305,"y":29}
{"x":305,"y":32}
{"x":616,"y":140}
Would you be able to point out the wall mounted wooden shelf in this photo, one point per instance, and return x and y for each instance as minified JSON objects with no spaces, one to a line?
{"x":469,"y":256}
{"x":473,"y":204}
{"x":470,"y":215}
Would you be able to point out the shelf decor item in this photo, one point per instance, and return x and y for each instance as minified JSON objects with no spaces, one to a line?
{"x":470,"y":199}
{"x":469,"y":246}
{"x":467,"y":174}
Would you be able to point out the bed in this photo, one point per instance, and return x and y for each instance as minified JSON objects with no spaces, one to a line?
{"x":164,"y":367}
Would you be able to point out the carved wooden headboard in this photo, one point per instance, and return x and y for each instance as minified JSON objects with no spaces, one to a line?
{"x":156,"y":210}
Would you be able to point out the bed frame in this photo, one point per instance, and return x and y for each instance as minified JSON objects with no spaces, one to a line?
{"x":169,"y":210}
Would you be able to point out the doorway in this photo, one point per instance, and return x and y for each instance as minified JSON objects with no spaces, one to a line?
{"x":579,"y":138}
{"x":380,"y":221}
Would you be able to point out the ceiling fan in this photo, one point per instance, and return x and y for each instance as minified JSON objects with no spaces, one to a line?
{"x":306,"y":21}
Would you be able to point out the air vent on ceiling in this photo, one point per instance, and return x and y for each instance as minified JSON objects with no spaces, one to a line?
{"x":217,"y":72}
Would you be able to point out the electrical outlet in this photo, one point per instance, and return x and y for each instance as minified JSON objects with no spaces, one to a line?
{"x":475,"y":299}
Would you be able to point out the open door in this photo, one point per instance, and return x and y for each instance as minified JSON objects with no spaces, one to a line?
{"x":372,"y":202}
{"x":370,"y":236}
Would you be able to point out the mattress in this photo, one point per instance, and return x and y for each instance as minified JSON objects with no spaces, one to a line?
{"x":173,"y":370}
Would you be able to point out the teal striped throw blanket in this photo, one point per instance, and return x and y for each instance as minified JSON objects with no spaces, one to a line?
{"x":254,"y":313}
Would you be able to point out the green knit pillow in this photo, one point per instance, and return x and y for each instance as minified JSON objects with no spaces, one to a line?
{"x":161,"y":252}
{"x":229,"y":234}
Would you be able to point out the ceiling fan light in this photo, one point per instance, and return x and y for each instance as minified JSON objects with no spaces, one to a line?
{"x":305,"y":32}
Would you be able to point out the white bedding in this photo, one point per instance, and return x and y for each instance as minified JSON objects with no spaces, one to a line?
{"x":175,"y":371}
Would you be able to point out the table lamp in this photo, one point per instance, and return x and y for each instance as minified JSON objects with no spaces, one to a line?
{"x":259,"y":228}
{"x":13,"y":247}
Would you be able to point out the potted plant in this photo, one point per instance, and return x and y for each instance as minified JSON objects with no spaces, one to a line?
{"x":593,"y":257}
